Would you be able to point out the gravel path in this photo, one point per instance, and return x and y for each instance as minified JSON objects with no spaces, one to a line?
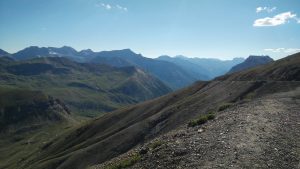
{"x":264,"y":133}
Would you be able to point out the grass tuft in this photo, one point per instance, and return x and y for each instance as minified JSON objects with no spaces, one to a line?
{"x":225,"y":106}
{"x":201,"y":120}
{"x":156,"y":144}
{"x":211,"y":116}
{"x":126,"y":162}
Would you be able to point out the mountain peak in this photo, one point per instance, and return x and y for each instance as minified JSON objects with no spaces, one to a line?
{"x":118,"y":53}
{"x":164,"y":57}
{"x":87,"y":50}
{"x":238,"y":59}
{"x":250,"y":62}
{"x":255,"y":58}
{"x":181,"y":57}
{"x":68,"y":48}
{"x":127,"y":51}
{"x":3,"y":53}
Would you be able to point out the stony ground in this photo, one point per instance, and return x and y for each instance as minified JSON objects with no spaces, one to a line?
{"x":263,"y":133}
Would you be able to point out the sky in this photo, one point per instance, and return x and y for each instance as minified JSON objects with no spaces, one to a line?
{"x":221,"y":29}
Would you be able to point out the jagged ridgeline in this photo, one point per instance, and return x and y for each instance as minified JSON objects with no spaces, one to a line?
{"x":87,"y":89}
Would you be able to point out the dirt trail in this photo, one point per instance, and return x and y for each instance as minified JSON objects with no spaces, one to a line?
{"x":263,"y":133}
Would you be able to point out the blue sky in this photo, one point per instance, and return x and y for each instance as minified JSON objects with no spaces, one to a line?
{"x":195,"y":28}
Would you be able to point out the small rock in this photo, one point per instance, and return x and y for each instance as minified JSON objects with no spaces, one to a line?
{"x":144,"y":150}
{"x":180,"y":152}
{"x":200,"y":130}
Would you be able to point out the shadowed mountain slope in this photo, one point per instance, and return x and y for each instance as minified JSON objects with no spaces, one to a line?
{"x":28,"y":120}
{"x":121,"y":130}
{"x":21,"y":108}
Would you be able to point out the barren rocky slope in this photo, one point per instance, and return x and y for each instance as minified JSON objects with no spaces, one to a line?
{"x":263,"y":133}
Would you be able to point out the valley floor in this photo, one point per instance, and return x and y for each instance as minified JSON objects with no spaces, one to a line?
{"x":263,"y":133}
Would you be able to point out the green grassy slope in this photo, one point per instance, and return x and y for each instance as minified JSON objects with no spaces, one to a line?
{"x":28,"y":120}
{"x":87,"y":89}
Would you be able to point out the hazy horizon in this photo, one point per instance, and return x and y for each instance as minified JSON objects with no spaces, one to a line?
{"x":210,"y":29}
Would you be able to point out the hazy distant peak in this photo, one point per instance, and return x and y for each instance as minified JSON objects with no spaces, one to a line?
{"x":68,"y":48}
{"x":250,"y":62}
{"x":87,"y":50}
{"x":238,"y":58}
{"x":119,"y":53}
{"x":181,"y":56}
{"x":164,"y":57}
{"x":32,"y":47}
{"x":129,"y":51}
{"x":255,"y":57}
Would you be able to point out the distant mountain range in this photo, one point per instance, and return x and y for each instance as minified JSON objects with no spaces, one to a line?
{"x":35,"y":51}
{"x":169,"y":73}
{"x":177,"y":72}
{"x":86,"y":88}
{"x":250,"y":62}
{"x":203,"y":68}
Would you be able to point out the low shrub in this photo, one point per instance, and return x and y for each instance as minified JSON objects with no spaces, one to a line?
{"x":201,"y":120}
{"x":225,"y":106}
{"x":156,"y":144}
{"x":126,"y":162}
{"x":249,"y":96}
{"x":211,"y":116}
{"x":192,"y":123}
